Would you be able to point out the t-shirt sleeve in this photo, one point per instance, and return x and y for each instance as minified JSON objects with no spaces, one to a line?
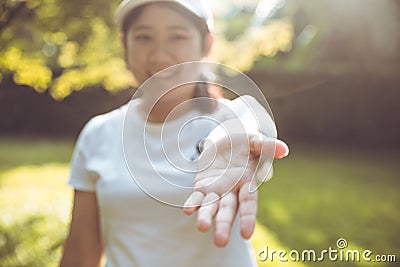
{"x":81,"y":177}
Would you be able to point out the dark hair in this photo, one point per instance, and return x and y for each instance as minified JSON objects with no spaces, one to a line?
{"x":202,"y":89}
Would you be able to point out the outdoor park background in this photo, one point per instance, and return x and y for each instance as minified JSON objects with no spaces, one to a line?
{"x":329,"y":69}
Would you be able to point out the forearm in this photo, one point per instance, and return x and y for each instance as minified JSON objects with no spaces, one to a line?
{"x":83,"y":247}
{"x":81,"y":253}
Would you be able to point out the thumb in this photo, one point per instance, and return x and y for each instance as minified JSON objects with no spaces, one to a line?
{"x":268,"y":147}
{"x":281,"y":149}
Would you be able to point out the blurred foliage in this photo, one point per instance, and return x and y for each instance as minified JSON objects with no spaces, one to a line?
{"x":61,"y":45}
{"x":67,"y":45}
{"x":341,"y":37}
{"x":254,"y":43}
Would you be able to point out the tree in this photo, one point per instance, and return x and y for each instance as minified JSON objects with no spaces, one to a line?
{"x":342,"y":36}
{"x":61,"y":45}
{"x":67,"y":45}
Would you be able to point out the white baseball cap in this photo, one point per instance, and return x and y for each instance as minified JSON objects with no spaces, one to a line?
{"x":196,"y":7}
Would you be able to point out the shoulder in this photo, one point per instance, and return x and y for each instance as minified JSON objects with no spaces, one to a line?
{"x":107,"y":120}
{"x":102,"y":126}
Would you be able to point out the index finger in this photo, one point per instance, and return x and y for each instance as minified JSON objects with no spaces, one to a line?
{"x":193,"y":203}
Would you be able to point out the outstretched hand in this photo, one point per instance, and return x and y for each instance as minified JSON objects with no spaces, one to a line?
{"x":225,"y":174}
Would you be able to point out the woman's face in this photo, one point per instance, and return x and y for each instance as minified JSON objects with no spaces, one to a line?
{"x":159,"y":38}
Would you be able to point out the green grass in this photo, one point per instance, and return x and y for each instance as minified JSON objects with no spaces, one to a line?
{"x":35,"y":202}
{"x":317,"y":196}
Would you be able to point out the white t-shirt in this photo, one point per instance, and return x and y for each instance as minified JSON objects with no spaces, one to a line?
{"x":137,"y":183}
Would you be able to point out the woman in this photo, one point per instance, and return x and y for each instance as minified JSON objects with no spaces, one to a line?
{"x":127,"y":218}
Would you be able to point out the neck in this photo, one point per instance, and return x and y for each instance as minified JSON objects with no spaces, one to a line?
{"x":170,"y":106}
{"x":159,"y":113}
